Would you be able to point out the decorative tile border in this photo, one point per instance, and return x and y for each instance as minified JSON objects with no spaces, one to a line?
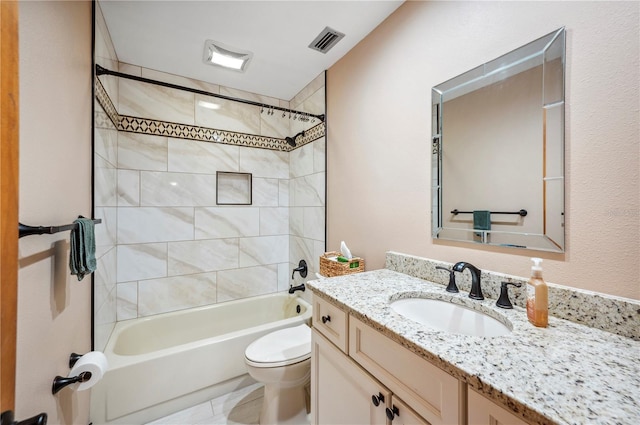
{"x":104,"y":100}
{"x":201,"y":134}
{"x":617,"y":315}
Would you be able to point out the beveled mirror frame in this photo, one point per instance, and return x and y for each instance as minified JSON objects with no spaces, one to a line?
{"x":545,"y":59}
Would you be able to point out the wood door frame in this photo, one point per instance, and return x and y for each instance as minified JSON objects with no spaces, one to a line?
{"x":9,"y":134}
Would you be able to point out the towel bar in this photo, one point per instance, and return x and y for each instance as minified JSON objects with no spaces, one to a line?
{"x":522,"y":213}
{"x":24,"y":230}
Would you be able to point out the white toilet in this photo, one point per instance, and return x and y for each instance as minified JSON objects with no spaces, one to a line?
{"x":281,"y":360}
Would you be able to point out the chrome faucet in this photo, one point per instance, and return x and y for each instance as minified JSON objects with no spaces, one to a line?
{"x":476,"y":288}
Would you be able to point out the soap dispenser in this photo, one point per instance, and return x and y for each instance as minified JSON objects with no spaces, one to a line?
{"x":537,"y":296}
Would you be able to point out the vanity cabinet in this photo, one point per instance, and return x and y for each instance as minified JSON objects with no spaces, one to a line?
{"x":354,"y":367}
{"x":483,"y":411}
{"x":349,"y":394}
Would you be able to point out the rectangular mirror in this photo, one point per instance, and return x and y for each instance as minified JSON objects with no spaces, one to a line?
{"x":498,"y":150}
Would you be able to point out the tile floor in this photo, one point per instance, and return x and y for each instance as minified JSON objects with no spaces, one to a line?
{"x":239,"y":407}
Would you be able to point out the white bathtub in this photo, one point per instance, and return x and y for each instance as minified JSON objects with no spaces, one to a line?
{"x":165,"y":363}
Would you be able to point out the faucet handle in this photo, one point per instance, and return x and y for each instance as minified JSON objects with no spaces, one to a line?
{"x":452,"y":279}
{"x":504,"y":301}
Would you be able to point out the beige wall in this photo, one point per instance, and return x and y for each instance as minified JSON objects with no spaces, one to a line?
{"x":378,"y":142}
{"x":54,"y":309}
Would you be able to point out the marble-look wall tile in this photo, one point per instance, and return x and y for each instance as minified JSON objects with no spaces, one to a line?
{"x":180,"y":81}
{"x":301,"y":161}
{"x":226,"y":222}
{"x":127,"y":300}
{"x":105,"y":178}
{"x":105,"y":274}
{"x":152,"y":101}
{"x":142,"y":152}
{"x":104,"y":320}
{"x":241,"y":94}
{"x":144,"y":225}
{"x":128,"y":188}
{"x":274,"y":221}
{"x":129,"y":69}
{"x":314,"y":220}
{"x":105,"y":232}
{"x":202,"y":256}
{"x":314,"y":103}
{"x":264,"y":163}
{"x":247,"y":282}
{"x":106,"y":144}
{"x":177,"y":189}
{"x":284,"y":276}
{"x":319,"y":155}
{"x":308,"y":191}
{"x":300,"y":249}
{"x":264,"y":250}
{"x":141,"y":261}
{"x":283,"y":192}
{"x":176,"y":293}
{"x":229,"y":115}
{"x":103,"y":44}
{"x":265,"y":192}
{"x":316,"y":84}
{"x":202,"y":157}
{"x":296,"y":221}
{"x":276,"y":125}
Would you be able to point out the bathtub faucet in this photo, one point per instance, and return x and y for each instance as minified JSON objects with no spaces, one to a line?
{"x":293,"y":289}
{"x":302,"y":269}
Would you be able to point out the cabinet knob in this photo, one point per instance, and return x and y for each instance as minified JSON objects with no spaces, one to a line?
{"x":326,"y":318}
{"x":392,"y":412}
{"x":377,"y":399}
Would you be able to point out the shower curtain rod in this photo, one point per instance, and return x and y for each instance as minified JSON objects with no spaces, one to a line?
{"x":103,"y":71}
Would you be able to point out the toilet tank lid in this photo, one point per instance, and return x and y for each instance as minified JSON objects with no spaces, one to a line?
{"x":281,"y":346}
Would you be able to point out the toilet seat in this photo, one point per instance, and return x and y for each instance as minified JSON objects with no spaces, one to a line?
{"x":280,"y":348}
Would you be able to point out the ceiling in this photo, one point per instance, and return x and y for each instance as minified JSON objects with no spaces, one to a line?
{"x":169,"y":36}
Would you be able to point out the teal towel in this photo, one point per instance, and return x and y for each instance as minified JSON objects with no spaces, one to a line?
{"x":82,"y":256}
{"x":481,"y":220}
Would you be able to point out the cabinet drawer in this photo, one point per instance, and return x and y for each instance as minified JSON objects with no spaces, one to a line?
{"x":430,"y":391}
{"x":331,"y":322}
{"x":483,"y":411}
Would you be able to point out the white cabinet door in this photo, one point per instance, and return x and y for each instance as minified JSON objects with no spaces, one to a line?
{"x":341,"y":392}
{"x":483,"y":411}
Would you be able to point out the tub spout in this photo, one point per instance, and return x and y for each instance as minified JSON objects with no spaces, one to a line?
{"x":300,"y":287}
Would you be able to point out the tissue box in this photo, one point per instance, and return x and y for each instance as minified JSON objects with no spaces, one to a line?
{"x":330,"y":268}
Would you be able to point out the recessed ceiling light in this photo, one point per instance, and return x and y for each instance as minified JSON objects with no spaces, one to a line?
{"x":218,"y":54}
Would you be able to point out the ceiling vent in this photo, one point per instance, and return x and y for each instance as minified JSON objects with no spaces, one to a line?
{"x":326,"y":40}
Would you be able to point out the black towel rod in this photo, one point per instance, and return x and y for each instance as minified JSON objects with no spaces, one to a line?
{"x":522,"y":213}
{"x":24,"y":230}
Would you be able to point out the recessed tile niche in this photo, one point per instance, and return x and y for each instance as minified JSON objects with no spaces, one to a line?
{"x":233,"y":188}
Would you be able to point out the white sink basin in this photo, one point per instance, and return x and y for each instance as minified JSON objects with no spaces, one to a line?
{"x":445,"y":316}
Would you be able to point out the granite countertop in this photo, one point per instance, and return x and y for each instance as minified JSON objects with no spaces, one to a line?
{"x":566,"y":373}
